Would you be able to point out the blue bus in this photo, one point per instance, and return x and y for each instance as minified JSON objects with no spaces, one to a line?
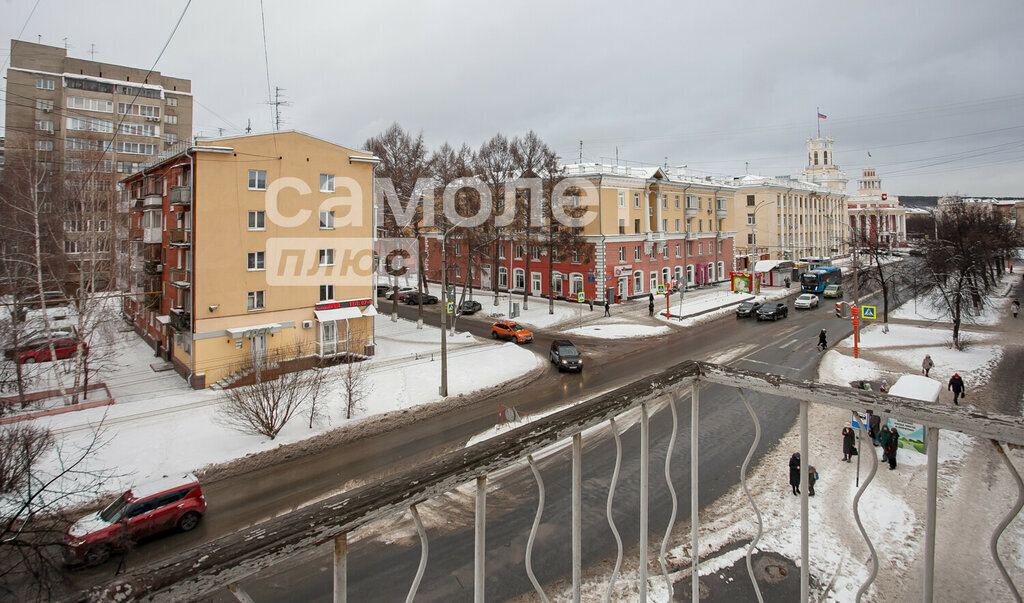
{"x":815,"y":281}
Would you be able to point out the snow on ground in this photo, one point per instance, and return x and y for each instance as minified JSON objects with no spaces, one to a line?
{"x":148,"y":438}
{"x":608,"y":330}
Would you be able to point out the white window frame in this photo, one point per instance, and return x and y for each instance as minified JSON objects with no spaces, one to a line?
{"x":622,"y":199}
{"x":44,"y":83}
{"x":501,"y":252}
{"x":326,"y":183}
{"x":327,"y":220}
{"x":325,"y":256}
{"x":622,"y":254}
{"x":689,"y":274}
{"x":255,"y":301}
{"x":257,"y":180}
{"x":654,"y":281}
{"x":638,"y":281}
{"x":636,"y":253}
{"x":326,"y":292}
{"x":636,"y":200}
{"x":256,"y":261}
{"x":257,"y":220}
{"x":519,"y":279}
{"x":502,"y":277}
{"x":536,"y":283}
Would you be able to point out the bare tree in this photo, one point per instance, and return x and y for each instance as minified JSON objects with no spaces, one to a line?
{"x":266,"y":405}
{"x":356,"y":386}
{"x":39,"y":479}
{"x":495,"y":166}
{"x":403,"y":176}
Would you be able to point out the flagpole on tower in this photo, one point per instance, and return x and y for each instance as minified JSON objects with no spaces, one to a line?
{"x":818,"y":119}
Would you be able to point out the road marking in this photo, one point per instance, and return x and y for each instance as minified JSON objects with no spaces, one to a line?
{"x":789,"y":343}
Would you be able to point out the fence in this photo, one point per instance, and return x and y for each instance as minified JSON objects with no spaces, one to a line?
{"x":226,"y":561}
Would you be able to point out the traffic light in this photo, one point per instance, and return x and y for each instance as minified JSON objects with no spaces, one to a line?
{"x":884,"y":196}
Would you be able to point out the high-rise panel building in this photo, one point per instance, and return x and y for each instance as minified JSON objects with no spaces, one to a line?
{"x":73,"y":127}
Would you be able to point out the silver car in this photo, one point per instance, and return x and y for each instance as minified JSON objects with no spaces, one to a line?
{"x":806,"y":301}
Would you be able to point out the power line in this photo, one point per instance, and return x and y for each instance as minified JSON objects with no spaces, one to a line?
{"x":266,"y":57}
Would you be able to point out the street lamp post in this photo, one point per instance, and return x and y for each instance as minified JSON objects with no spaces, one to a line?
{"x":443,"y":389}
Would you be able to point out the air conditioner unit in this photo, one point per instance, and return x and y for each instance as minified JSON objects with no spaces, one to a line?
{"x":151,"y":118}
{"x":307,"y":324}
{"x":47,"y":109}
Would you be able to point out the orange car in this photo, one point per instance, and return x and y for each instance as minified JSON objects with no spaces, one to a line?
{"x":507,"y":329}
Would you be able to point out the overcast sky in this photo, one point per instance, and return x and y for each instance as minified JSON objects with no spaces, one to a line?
{"x":933,"y":90}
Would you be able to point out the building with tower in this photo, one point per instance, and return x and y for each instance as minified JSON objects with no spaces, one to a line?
{"x":876,"y":216}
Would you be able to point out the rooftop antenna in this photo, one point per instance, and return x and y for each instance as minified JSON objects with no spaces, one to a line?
{"x":92,"y":52}
{"x":248,"y":126}
{"x":666,"y":161}
{"x":616,"y":155}
{"x":39,"y":39}
{"x":746,"y":167}
{"x":277,"y":103}
{"x":581,"y":151}
{"x":65,"y":44}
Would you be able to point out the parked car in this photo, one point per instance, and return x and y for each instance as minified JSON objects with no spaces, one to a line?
{"x":391,"y":292}
{"x":806,"y":301}
{"x":833,"y":290}
{"x":470,"y":306}
{"x":413,"y":297}
{"x":772,"y":311}
{"x":507,"y":329}
{"x":35,"y":339}
{"x":62,"y":349}
{"x":52,"y":299}
{"x":383,"y":289}
{"x":747,"y":308}
{"x":145,"y":510}
{"x":565,"y":356}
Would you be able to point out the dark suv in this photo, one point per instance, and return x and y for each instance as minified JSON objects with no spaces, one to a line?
{"x":772,"y":311}
{"x":747,"y":308}
{"x":565,"y":356}
{"x":145,"y":510}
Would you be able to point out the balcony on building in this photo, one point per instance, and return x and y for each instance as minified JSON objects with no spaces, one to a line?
{"x":690,"y":212}
{"x":152,"y":267}
{"x":721,"y":209}
{"x":180,"y":278}
{"x":181,"y":237}
{"x":181,"y":195}
{"x":181,"y":320}
{"x":152,"y":235}
{"x":655,"y":236}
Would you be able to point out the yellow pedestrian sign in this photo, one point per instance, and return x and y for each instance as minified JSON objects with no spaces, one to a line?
{"x":868,"y":311}
{"x":661,"y":289}
{"x":579,"y":297}
{"x":451,"y":307}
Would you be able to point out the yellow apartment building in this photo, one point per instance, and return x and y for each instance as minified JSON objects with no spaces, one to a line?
{"x":253,"y":249}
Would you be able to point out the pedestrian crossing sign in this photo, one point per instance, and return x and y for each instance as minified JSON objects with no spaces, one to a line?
{"x":661,"y":289}
{"x":579,"y":297}
{"x":451,"y":307}
{"x":868,"y":311}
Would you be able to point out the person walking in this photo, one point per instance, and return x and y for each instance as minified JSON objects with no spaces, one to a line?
{"x":822,"y":342}
{"x":812,"y":476}
{"x":848,"y":448}
{"x":650,"y":306}
{"x":1015,"y":308}
{"x":927,"y":364}
{"x":956,"y":385}
{"x":607,"y":306}
{"x":892,"y":447}
{"x":794,"y":472}
{"x":883,"y":441}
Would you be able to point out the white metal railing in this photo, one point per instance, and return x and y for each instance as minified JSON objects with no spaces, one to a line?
{"x":226,"y":561}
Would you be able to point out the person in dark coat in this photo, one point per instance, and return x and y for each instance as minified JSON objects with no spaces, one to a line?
{"x":812,"y":476}
{"x":794,"y":472}
{"x":956,"y":385}
{"x":883,"y":441}
{"x":848,"y":448}
{"x":822,"y":343}
{"x":607,"y":306}
{"x":892,"y":447}
{"x":874,"y":426}
{"x":650,"y":306}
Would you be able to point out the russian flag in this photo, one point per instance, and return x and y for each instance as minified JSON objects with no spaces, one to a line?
{"x":822,"y":115}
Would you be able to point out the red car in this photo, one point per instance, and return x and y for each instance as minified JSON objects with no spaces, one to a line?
{"x":62,"y":349}
{"x":170,"y":503}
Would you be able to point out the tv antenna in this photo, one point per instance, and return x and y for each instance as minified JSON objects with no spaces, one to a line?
{"x":276,"y":105}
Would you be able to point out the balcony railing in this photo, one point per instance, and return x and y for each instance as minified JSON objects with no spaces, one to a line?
{"x":180,"y":278}
{"x":181,"y":237}
{"x":690,"y":212}
{"x":152,"y":235}
{"x":181,"y":195}
{"x":223,"y":563}
{"x":180,"y":319}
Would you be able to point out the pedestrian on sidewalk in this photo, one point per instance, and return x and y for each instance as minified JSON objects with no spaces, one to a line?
{"x":607,"y":305}
{"x":1015,"y":308}
{"x":812,"y":476}
{"x":893,"y":447}
{"x":884,"y":387}
{"x":822,"y":342}
{"x":848,"y":448}
{"x":883,"y":440}
{"x":794,"y":472}
{"x":650,"y":306}
{"x":956,"y":385}
{"x":874,"y":423}
{"x":927,"y":364}
{"x":590,"y":303}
